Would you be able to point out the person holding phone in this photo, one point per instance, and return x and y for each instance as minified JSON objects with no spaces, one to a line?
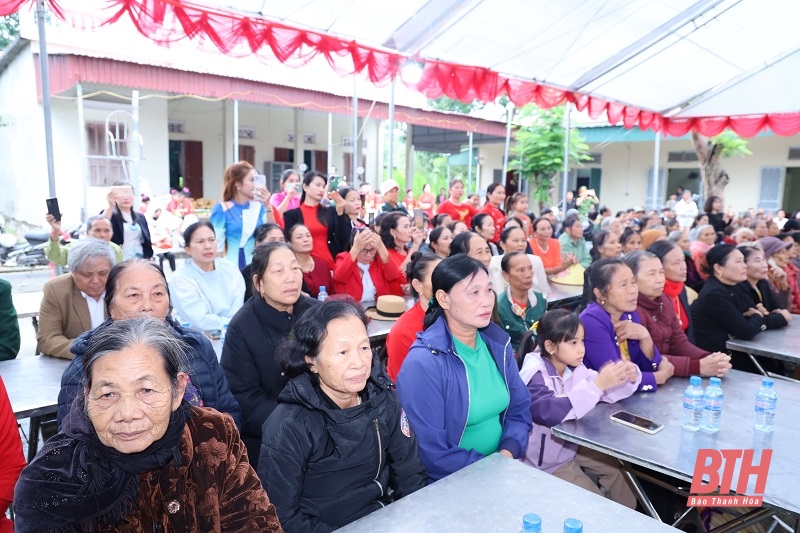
{"x":245,"y":205}
{"x":289,"y":197}
{"x":98,"y":227}
{"x":130,"y":229}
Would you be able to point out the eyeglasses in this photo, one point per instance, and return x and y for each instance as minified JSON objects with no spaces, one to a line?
{"x":367,"y":251}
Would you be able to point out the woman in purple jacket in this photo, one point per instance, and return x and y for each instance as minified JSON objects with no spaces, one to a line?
{"x":460,"y":384}
{"x":613,"y":328}
{"x":561,"y":388}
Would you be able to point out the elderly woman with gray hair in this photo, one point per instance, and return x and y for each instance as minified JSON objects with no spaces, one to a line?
{"x":134,"y":456}
{"x":137,"y":288}
{"x":73,"y":303}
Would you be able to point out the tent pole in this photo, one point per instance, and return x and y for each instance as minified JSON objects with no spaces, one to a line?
{"x":136,"y":153}
{"x":236,"y":131}
{"x":44,"y":68}
{"x":509,"y":116}
{"x":391,"y":132}
{"x":565,"y":183}
{"x":84,"y":160}
{"x":656,"y":170}
{"x":469,"y":171}
{"x":330,"y":144}
{"x":354,"y":177}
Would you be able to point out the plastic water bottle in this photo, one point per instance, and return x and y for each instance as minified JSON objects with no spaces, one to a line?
{"x":531,"y":523}
{"x":766,"y":402}
{"x":712,"y":406}
{"x":223,"y":332}
{"x":323,"y":294}
{"x":573,"y":525}
{"x":692,"y":404}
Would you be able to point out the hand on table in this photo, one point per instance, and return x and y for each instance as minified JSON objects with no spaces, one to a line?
{"x":664,"y":372}
{"x":716,"y":364}
{"x":784,"y":313}
{"x":612,"y":375}
{"x":506,"y":453}
{"x":752,"y":312}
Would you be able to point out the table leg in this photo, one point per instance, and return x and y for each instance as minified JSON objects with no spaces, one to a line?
{"x":35,"y":321}
{"x":758,"y":366}
{"x":637,"y":489}
{"x":748,"y":519}
{"x":33,"y":437}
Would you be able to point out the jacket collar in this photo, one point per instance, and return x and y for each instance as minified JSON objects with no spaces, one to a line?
{"x":277,"y":320}
{"x":650,"y":305}
{"x":438,"y":337}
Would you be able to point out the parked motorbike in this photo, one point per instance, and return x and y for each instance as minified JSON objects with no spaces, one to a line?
{"x":31,"y":252}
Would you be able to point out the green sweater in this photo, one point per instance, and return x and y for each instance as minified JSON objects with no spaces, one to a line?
{"x":580,"y":250}
{"x":516,"y":325}
{"x":9,"y":326}
{"x":488,"y":398}
{"x":57,"y":254}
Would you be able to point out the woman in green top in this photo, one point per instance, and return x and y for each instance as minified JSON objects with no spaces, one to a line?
{"x":517,"y":308}
{"x":460,"y":384}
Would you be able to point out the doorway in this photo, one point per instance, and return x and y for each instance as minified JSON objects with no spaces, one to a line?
{"x":688,"y":178}
{"x":791,"y":190}
{"x":186,"y":166}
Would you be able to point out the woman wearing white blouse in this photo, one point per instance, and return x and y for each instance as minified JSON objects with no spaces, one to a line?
{"x":208,"y":290}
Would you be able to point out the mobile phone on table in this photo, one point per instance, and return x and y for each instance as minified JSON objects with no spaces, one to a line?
{"x":418,"y":221}
{"x":333,"y":185}
{"x":372,"y":221}
{"x":212,"y":334}
{"x":52,"y":208}
{"x":636,"y":422}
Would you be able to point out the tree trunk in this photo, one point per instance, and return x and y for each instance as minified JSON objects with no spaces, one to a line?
{"x":708,"y":155}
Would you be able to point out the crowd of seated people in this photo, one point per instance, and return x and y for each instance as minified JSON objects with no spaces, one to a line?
{"x":296,"y":405}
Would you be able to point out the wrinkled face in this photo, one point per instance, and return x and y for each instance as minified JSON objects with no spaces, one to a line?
{"x":344,"y":359}
{"x":576,"y":230}
{"x":756,"y":265}
{"x":301,"y":240}
{"x":91,"y":276}
{"x":515,"y":241}
{"x":442,"y":246}
{"x":101,"y":229}
{"x":459,"y":228}
{"x":772,"y":229}
{"x":734,"y":270}
{"x":569,"y":352}
{"x":486,"y":229}
{"x":633,"y":243}
{"x":470,"y":302}
{"x":520,"y":273}
{"x":622,"y":292}
{"x":498,"y":196}
{"x":479,"y":249}
{"x":611,"y":248}
{"x":683,"y":242}
{"x":791,"y":251}
{"x":615,"y":227}
{"x":131,"y":399}
{"x":282,"y":279}
{"x":543,"y":230}
{"x":352,"y":203}
{"x":760,"y":229}
{"x":781,"y":258}
{"x":744,"y":236}
{"x":316,"y":189}
{"x":457,"y":190}
{"x":275,"y":235}
{"x":202,"y":246}
{"x":391,"y":196}
{"x":650,"y":278}
{"x":707,"y":236}
{"x":675,"y":265}
{"x":140,"y":291}
{"x":402,"y":233}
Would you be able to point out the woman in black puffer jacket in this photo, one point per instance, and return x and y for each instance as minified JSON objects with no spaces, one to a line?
{"x":138,"y":287}
{"x":338,"y":439}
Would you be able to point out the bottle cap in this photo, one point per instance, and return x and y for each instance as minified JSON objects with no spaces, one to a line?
{"x":696,"y":380}
{"x":573,"y":525}
{"x":532,"y":522}
{"x":767,"y":382}
{"x":715,"y":381}
{"x":322,"y":288}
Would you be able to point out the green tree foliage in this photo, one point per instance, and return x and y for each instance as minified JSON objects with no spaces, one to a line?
{"x":444,"y":103}
{"x":9,"y":29}
{"x":709,"y":153}
{"x":539,"y":150}
{"x":431,"y":167}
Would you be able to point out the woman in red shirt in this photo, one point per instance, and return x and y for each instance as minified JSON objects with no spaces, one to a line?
{"x":454,"y":207}
{"x":427,"y":201}
{"x":495,"y":196}
{"x":329,"y":225}
{"x":405,"y":330}
{"x":396,"y":233}
{"x":316,"y":273}
{"x":365,"y":272}
{"x":548,"y":249}
{"x":11,"y":459}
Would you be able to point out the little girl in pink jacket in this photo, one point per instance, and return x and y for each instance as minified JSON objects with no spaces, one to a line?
{"x":561,"y":389}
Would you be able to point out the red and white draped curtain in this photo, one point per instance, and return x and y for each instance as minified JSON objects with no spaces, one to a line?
{"x":167,"y":21}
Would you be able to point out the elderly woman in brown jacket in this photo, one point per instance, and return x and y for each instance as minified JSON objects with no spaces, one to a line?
{"x":658,"y":316}
{"x":133,"y":456}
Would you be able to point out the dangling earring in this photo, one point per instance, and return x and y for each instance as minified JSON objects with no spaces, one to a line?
{"x":602,"y":302}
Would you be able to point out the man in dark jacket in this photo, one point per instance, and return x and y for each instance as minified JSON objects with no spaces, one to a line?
{"x":205,"y":373}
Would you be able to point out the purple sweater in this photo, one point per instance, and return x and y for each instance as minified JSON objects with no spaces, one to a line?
{"x":602,"y":347}
{"x":555,"y":399}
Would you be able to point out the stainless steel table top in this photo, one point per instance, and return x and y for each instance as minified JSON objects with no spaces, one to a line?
{"x":559,"y":293}
{"x":493,"y":495}
{"x":783,"y":344}
{"x":27,"y":303}
{"x":673,"y":450}
{"x":33,"y":383}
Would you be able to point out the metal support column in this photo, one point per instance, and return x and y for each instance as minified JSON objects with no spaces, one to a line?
{"x":329,"y":170}
{"x":390,"y":173}
{"x":469,"y":166}
{"x":236,"y":130}
{"x":565,"y":179}
{"x":509,"y":117}
{"x":84,"y":160}
{"x":136,"y":153}
{"x":656,"y":161}
{"x":355,"y":132}
{"x":44,"y":72}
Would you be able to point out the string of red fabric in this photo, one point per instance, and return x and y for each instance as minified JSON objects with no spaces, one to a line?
{"x":167,"y":21}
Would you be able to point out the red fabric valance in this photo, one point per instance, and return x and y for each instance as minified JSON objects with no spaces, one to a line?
{"x":167,"y":21}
